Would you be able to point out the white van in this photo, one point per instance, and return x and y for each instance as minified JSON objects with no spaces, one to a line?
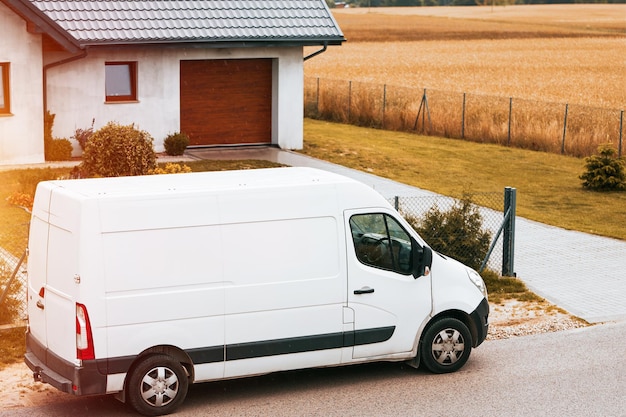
{"x":139,"y":286}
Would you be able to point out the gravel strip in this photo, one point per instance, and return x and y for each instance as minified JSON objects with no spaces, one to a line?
{"x":514,"y":318}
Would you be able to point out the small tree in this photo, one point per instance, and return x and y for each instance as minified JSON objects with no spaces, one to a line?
{"x":116,"y":150}
{"x":457,"y":233}
{"x":605,"y":172}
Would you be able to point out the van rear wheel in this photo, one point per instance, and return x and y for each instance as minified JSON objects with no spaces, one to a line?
{"x":446,"y":346}
{"x":157,"y":385}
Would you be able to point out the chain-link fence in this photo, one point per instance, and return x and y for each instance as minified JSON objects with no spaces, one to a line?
{"x":574,"y":130}
{"x":13,"y":241}
{"x":490,"y":207}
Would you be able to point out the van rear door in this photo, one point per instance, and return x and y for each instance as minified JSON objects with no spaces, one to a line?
{"x":389,"y":304}
{"x":37,"y":262}
{"x":52,"y":267}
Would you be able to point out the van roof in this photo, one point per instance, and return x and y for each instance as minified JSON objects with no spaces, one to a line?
{"x":204,"y":181}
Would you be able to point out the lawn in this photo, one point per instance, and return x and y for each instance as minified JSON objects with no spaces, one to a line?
{"x":548,"y":188}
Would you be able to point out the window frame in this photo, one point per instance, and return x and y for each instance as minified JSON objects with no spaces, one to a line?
{"x":132,"y":70}
{"x":5,"y":71}
{"x":386,"y":235}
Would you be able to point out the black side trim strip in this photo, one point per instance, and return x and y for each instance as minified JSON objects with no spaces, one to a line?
{"x":307,"y":343}
{"x":377,"y":335}
{"x":206,"y":355}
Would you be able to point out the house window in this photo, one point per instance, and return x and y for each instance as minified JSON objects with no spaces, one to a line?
{"x":5,"y":102}
{"x":120,"y":81}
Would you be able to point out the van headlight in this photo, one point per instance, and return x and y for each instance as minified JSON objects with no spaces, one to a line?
{"x":477,"y":280}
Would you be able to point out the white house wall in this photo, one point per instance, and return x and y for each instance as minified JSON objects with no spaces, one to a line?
{"x":76,"y":90}
{"x":21,"y":132}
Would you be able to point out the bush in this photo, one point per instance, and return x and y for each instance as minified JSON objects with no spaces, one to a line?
{"x":176,"y":143}
{"x":58,"y":150}
{"x":605,"y":172}
{"x":456,"y":233}
{"x":170,"y":168}
{"x":115,"y":151}
{"x":54,"y":149}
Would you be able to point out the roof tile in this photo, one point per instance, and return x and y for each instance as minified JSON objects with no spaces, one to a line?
{"x":89,"y":22}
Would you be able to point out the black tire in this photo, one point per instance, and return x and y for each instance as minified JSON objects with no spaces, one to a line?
{"x":446,"y":346}
{"x":157,"y":385}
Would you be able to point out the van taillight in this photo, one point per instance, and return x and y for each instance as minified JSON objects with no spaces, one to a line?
{"x":84,"y":339}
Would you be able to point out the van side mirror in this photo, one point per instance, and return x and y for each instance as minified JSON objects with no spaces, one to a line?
{"x":422,"y":260}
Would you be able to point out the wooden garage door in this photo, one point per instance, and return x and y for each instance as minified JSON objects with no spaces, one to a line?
{"x":226,"y":101}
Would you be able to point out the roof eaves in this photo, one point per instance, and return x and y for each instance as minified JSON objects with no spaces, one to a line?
{"x":32,"y":14}
{"x":221,"y":43}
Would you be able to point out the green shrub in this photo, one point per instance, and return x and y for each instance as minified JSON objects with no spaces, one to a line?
{"x":176,"y":143}
{"x":116,"y":150}
{"x":54,"y":149}
{"x":605,"y":172}
{"x":456,"y":233}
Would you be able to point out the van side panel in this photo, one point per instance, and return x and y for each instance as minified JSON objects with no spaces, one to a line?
{"x":175,"y":295}
{"x":286,"y":270}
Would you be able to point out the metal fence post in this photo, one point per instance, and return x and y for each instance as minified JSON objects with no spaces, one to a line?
{"x":349,"y":99}
{"x":564,"y":130}
{"x":317,"y":97}
{"x":508,"y":142}
{"x":463,"y":119}
{"x":384,"y":105}
{"x":621,"y":129}
{"x":508,"y":243}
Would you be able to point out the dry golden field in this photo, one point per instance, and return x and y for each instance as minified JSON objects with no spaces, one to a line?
{"x":559,"y":53}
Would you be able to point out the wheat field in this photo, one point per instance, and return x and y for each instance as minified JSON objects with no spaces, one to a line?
{"x":557,"y":53}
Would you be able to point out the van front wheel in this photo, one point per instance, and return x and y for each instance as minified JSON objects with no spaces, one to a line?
{"x":446,"y":346}
{"x":157,"y":385}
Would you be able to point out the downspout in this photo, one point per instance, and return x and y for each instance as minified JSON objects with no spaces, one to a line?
{"x":46,"y":67}
{"x":321,"y":51}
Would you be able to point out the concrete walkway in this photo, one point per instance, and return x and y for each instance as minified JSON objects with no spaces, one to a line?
{"x":581,"y":273}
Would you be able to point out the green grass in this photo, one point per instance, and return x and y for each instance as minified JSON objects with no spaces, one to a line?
{"x":548,"y":188}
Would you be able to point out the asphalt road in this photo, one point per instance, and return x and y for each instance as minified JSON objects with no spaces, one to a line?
{"x":572,"y":373}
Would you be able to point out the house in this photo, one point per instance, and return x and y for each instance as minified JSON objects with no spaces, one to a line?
{"x":223,"y":72}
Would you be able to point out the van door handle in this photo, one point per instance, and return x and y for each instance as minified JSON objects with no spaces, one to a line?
{"x":40,"y":304}
{"x":364,"y":290}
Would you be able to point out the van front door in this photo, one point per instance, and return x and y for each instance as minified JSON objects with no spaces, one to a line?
{"x":389,"y":304}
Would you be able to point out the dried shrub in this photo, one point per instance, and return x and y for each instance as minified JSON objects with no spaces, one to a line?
{"x":116,"y":150}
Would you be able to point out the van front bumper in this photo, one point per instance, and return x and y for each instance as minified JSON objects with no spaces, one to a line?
{"x":61,"y":374}
{"x":480,"y":318}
